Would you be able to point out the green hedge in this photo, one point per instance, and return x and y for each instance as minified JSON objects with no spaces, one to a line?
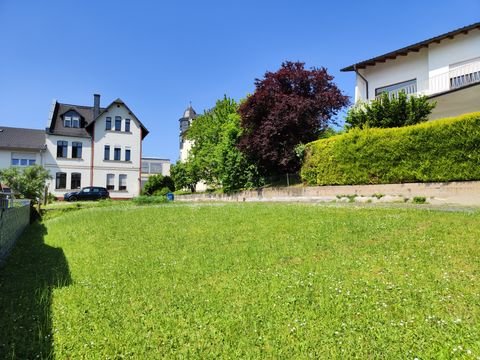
{"x":435,"y":151}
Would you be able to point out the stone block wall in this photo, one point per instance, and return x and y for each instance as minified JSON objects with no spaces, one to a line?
{"x":455,"y":193}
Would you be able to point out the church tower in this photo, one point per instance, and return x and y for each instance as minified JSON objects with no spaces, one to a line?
{"x":185,"y":145}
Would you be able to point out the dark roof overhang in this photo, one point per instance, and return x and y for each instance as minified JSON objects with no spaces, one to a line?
{"x":120,"y":102}
{"x":411,"y":48}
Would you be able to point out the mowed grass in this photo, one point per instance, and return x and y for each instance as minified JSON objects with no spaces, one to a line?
{"x":245,"y":281}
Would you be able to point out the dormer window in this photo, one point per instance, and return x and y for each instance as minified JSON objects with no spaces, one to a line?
{"x":71,"y":120}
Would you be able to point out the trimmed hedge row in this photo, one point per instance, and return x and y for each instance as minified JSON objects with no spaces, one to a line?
{"x":435,"y":151}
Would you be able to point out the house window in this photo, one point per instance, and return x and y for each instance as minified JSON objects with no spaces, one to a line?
{"x":127,"y":154}
{"x":67,"y":121}
{"x":118,"y":123}
{"x":108,"y":123}
{"x":408,"y":87}
{"x":106,"y":153}
{"x":155,"y":168}
{"x":75,"y":121}
{"x":116,"y":153}
{"x":110,"y":181}
{"x":19,"y":159}
{"x":76,"y":181}
{"x":62,"y":147}
{"x":145,"y":167}
{"x":76,"y":150}
{"x":61,"y":180}
{"x":122,"y":182}
{"x":127,"y":125}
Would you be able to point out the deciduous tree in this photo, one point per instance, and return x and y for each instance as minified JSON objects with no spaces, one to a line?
{"x":185,"y":175}
{"x":27,"y":182}
{"x":215,"y":155}
{"x":290,"y":106}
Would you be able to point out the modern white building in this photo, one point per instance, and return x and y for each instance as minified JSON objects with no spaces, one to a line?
{"x":154,"y":166}
{"x":445,"y":68}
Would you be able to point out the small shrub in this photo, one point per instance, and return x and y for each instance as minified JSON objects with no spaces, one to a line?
{"x":419,"y":200}
{"x":51,"y":198}
{"x":157,"y":183}
{"x":378,"y":196}
{"x":351,"y":198}
{"x":387,"y":111}
{"x":162,"y":192}
{"x":149,"y":200}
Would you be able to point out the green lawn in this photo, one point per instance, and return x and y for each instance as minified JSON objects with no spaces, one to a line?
{"x":244,"y":281}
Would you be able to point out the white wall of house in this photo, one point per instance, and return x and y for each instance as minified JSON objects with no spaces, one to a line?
{"x":6,"y":156}
{"x":403,"y":68}
{"x":432,"y":66}
{"x":118,"y":139}
{"x":154,"y":166}
{"x":444,"y":57}
{"x":67,"y":165}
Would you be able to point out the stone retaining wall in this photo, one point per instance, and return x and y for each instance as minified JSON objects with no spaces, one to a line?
{"x":459,"y":193}
{"x":12,"y":223}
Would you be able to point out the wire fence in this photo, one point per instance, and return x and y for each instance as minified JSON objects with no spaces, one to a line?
{"x":283,"y":180}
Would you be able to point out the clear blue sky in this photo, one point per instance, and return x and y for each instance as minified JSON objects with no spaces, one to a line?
{"x":158,"y":55}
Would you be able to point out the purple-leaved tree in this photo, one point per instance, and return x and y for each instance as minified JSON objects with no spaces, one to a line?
{"x":289,"y":107}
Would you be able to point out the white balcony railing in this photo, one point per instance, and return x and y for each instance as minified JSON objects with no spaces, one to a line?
{"x":456,"y":77}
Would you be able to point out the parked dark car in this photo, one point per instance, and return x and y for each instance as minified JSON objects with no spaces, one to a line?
{"x":87,"y":193}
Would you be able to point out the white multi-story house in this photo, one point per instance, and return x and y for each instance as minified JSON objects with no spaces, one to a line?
{"x":94,"y":146}
{"x":445,"y":68}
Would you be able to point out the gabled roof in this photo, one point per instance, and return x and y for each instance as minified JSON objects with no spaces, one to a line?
{"x":120,"y":102}
{"x":56,"y":125}
{"x":22,"y":139}
{"x":411,"y":48}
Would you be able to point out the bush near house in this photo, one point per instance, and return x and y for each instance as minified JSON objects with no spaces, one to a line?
{"x":158,"y":185}
{"x":387,"y":112}
{"x":441,"y":150}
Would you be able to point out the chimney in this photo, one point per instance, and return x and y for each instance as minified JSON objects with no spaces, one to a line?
{"x":96,"y":105}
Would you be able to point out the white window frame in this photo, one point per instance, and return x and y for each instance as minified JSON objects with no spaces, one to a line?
{"x":122,"y":178}
{"x":110,"y":181}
